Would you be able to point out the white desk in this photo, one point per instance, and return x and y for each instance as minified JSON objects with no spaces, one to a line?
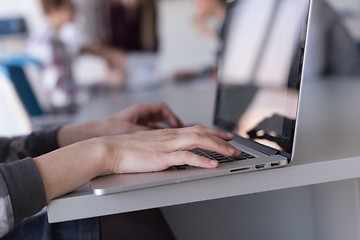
{"x":326,"y":118}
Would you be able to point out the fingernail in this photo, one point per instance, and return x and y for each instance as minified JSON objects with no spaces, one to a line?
{"x":231,"y":150}
{"x":213,"y":162}
{"x":229,"y":134}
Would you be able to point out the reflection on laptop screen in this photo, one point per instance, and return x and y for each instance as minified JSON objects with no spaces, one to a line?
{"x":260,"y":70}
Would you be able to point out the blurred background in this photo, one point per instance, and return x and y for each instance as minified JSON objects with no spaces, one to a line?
{"x":55,"y":54}
{"x":182,"y":46}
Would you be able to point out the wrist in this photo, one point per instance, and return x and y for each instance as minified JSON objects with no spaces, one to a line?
{"x":104,"y":153}
{"x":68,"y":168}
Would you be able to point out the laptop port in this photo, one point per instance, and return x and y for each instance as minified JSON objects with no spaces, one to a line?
{"x":275,"y":164}
{"x":240,"y":169}
{"x":259,"y":166}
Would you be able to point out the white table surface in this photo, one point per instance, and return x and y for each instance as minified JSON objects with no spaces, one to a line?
{"x":326,"y":149}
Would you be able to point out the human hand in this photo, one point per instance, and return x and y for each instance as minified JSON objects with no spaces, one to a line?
{"x":115,"y":57}
{"x":158,"y":150}
{"x":200,"y":23}
{"x":115,"y":77}
{"x":139,"y":117}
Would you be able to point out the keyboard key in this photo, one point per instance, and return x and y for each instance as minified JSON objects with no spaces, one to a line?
{"x":221,"y":158}
{"x":216,"y":156}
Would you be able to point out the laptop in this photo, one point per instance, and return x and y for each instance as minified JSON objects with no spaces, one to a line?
{"x":260,"y":70}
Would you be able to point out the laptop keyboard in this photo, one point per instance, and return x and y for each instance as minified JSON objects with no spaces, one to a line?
{"x":217,"y":156}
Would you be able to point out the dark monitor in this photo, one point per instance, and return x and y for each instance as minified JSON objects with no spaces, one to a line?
{"x":12,"y":26}
{"x":260,"y":70}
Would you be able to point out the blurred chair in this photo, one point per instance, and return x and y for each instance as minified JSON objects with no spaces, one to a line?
{"x":30,"y":91}
{"x":23,"y":72}
{"x":14,"y":69}
{"x":14,"y":119}
{"x":13,"y":65}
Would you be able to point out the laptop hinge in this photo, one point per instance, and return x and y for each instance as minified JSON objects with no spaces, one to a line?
{"x":257,"y":146}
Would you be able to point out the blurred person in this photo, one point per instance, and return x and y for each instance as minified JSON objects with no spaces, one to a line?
{"x":47,"y":164}
{"x":116,"y":29}
{"x":133,"y":30}
{"x":56,"y":46}
{"x":92,"y":26}
{"x":47,"y":46}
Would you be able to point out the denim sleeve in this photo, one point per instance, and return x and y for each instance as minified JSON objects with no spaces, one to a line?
{"x":33,"y":145}
{"x":22,"y":193}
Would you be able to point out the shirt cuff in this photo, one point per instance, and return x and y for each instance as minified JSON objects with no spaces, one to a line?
{"x":41,"y":142}
{"x":25,"y":186}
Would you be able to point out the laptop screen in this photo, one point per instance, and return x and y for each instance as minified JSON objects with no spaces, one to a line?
{"x":260,"y":70}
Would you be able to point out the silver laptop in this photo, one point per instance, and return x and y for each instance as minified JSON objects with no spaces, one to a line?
{"x":259,"y":81}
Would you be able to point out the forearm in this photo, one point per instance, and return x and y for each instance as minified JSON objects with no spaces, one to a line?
{"x":68,"y":168}
{"x":74,"y":133}
{"x":139,"y":117}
